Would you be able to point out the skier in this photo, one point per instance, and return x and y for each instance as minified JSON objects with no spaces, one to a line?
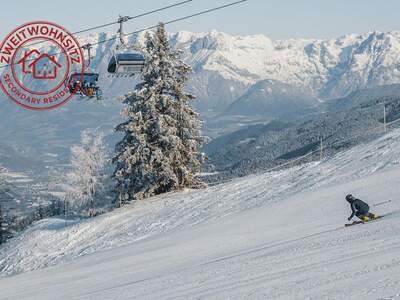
{"x":360,"y":209}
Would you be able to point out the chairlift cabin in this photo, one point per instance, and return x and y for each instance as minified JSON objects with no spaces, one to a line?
{"x":90,"y":78}
{"x":85,"y":84}
{"x":127,"y":63}
{"x":126,"y":60}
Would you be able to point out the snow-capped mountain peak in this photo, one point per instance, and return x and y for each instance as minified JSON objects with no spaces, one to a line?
{"x":225,"y":66}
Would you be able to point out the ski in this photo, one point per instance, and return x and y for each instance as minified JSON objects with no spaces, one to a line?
{"x":362,"y":222}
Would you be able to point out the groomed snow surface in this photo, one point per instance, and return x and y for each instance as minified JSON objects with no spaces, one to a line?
{"x":278,"y":235}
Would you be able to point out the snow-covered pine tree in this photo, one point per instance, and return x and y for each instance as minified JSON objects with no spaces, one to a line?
{"x":3,"y":226}
{"x":159,"y":150}
{"x":5,"y":232}
{"x":86,"y":180}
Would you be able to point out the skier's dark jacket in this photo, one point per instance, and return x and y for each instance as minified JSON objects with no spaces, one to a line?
{"x":358,"y":208}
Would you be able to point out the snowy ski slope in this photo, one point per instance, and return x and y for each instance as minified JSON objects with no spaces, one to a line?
{"x":278,"y":235}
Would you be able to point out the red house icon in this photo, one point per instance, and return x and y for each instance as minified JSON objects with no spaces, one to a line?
{"x":44,"y":67}
{"x":31,"y":55}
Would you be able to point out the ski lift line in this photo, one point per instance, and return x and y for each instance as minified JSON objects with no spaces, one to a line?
{"x":370,"y":130}
{"x":358,"y":134}
{"x":174,"y":21}
{"x":160,"y":9}
{"x":373,"y":129}
{"x":317,"y":150}
{"x":127,"y":18}
{"x":131,"y":63}
{"x":288,"y":163}
{"x":152,"y":27}
{"x":206,"y":11}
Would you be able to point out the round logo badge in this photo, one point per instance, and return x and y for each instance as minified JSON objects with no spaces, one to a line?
{"x":36,"y":61}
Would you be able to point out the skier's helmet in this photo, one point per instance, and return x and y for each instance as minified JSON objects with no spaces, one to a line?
{"x":349,"y":197}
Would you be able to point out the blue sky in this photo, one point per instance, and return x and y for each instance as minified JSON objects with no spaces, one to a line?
{"x":277,"y":19}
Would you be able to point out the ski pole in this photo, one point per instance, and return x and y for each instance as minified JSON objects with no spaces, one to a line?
{"x":381,"y":203}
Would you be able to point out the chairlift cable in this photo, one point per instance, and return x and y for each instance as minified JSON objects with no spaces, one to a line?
{"x":134,"y":17}
{"x":171,"y":21}
{"x":128,"y":18}
{"x":155,"y":26}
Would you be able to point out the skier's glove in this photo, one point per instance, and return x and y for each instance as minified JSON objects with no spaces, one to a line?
{"x":349,"y":219}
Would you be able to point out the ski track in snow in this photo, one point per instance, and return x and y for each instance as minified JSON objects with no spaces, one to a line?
{"x":278,"y":235}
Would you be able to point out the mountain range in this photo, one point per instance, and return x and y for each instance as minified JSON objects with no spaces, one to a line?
{"x":228,"y":68}
{"x":238,"y":80}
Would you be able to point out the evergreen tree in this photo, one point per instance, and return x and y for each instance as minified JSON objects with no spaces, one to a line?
{"x":2,"y":226}
{"x":88,"y":175}
{"x":55,"y":207}
{"x":5,"y":232}
{"x":159,"y":150}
